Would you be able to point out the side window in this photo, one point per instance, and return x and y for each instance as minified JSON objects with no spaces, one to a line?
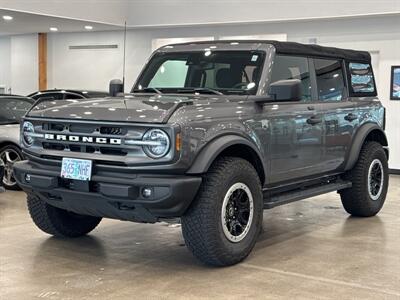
{"x":171,"y":73}
{"x":293,"y":67}
{"x":330,"y":83}
{"x":361,"y":78}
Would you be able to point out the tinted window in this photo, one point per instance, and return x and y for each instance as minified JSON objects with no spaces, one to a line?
{"x":330,"y":82}
{"x":292,"y":67}
{"x":361,"y":78}
{"x":229,"y":72}
{"x":12,"y":110}
{"x":73,"y":96}
{"x":49,"y":96}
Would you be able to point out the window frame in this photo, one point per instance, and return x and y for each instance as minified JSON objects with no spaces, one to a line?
{"x":345,"y":80}
{"x":350,"y":87}
{"x":311,"y":70}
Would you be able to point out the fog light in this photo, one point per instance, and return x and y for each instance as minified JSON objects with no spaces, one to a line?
{"x":27,"y":177}
{"x":147,"y":192}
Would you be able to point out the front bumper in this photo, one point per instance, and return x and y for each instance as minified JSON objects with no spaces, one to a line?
{"x":111,"y":195}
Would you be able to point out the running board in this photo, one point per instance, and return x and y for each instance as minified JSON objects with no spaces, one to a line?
{"x":300,"y":194}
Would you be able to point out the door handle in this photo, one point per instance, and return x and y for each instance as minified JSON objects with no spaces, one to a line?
{"x":351,"y":117}
{"x":311,"y":107}
{"x":314,"y":120}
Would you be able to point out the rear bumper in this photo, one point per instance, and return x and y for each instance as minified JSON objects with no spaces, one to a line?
{"x":112,"y":194}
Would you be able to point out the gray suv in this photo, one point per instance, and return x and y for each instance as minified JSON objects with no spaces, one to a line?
{"x":211,"y":133}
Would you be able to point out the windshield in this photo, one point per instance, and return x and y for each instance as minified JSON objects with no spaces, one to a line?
{"x":226,"y":72}
{"x":12,"y":110}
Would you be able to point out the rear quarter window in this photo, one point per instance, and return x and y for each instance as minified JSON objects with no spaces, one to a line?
{"x":361,"y":79}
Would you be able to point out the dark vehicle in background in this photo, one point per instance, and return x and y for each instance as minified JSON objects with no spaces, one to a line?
{"x":59,"y":94}
{"x":1,"y":176}
{"x":12,"y":109}
{"x":212,"y":133}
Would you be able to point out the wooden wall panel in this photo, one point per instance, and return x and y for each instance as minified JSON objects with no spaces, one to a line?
{"x":42,"y":51}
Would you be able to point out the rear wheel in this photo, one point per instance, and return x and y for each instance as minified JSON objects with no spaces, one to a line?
{"x":222,"y":225}
{"x":10,"y":154}
{"x":59,"y":222}
{"x":370,"y":178}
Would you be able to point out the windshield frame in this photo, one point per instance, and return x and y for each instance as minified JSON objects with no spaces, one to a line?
{"x":266,"y":49}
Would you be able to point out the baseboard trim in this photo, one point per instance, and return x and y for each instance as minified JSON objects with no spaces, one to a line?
{"x":394,"y":171}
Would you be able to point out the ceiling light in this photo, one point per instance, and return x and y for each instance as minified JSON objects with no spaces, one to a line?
{"x":53,"y":29}
{"x":7,"y":18}
{"x":88,"y":27}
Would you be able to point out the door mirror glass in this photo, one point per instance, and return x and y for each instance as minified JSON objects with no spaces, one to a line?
{"x":286,"y":90}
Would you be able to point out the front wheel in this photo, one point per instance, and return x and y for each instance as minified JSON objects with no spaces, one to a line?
{"x":370,"y":179}
{"x":222,"y":225}
{"x":59,"y":222}
{"x":10,"y":154}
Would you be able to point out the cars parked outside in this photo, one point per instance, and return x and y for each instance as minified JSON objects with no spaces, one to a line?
{"x":12,"y":109}
{"x":60,"y":94}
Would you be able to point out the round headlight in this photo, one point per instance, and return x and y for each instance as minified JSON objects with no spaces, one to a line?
{"x":27,"y":131}
{"x":157,"y":143}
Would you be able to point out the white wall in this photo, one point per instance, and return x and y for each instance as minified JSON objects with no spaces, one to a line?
{"x":19,"y":63}
{"x":5,"y":62}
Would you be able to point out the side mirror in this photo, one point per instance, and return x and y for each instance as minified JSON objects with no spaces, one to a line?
{"x":286,"y":90}
{"x":116,"y":87}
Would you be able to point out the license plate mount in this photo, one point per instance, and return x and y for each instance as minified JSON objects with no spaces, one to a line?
{"x":76,"y":169}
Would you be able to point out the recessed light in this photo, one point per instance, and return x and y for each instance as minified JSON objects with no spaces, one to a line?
{"x":7,"y":18}
{"x":53,"y":29}
{"x":88,"y":27}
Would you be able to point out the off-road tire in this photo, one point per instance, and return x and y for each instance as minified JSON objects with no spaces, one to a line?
{"x":357,"y":200}
{"x":202,"y":224}
{"x":59,"y":222}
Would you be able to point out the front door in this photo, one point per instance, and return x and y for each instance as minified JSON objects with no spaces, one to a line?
{"x":295,"y":128}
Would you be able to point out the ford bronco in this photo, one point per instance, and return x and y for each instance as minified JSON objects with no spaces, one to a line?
{"x":211,"y":133}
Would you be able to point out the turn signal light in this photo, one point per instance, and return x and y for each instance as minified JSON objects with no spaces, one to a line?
{"x":178,"y":142}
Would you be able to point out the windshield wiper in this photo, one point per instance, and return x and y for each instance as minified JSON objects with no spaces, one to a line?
{"x":147,"y":90}
{"x":200,"y":90}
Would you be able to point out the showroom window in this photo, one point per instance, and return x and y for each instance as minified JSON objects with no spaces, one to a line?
{"x":330,"y":83}
{"x":293,"y":67}
{"x":361,"y":78}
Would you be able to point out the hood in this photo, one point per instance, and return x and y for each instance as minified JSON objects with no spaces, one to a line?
{"x":130,"y":108}
{"x":9,"y":133}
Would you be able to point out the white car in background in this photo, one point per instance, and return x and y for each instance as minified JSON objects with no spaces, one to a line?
{"x":12,"y":109}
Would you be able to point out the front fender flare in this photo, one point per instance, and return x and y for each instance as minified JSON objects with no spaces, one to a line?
{"x":210,"y":152}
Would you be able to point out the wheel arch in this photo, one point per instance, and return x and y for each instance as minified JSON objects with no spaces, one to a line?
{"x":228,"y":145}
{"x":367,"y":132}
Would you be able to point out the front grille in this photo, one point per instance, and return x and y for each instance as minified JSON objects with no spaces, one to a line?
{"x":101,"y":142}
{"x":99,"y":139}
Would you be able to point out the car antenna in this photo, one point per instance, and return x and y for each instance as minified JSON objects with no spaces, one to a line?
{"x":123,"y":65}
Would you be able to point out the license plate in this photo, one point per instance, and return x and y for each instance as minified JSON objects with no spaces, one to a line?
{"x":78,"y":169}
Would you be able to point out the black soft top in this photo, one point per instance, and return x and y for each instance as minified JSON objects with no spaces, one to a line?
{"x":300,"y":49}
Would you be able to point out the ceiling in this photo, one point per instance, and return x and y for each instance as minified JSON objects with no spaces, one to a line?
{"x":24,"y":23}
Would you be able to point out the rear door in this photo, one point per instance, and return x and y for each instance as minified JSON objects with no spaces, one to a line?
{"x":295,"y":141}
{"x":339,"y":114}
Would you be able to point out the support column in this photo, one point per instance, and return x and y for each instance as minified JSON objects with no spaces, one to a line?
{"x":42,"y":51}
